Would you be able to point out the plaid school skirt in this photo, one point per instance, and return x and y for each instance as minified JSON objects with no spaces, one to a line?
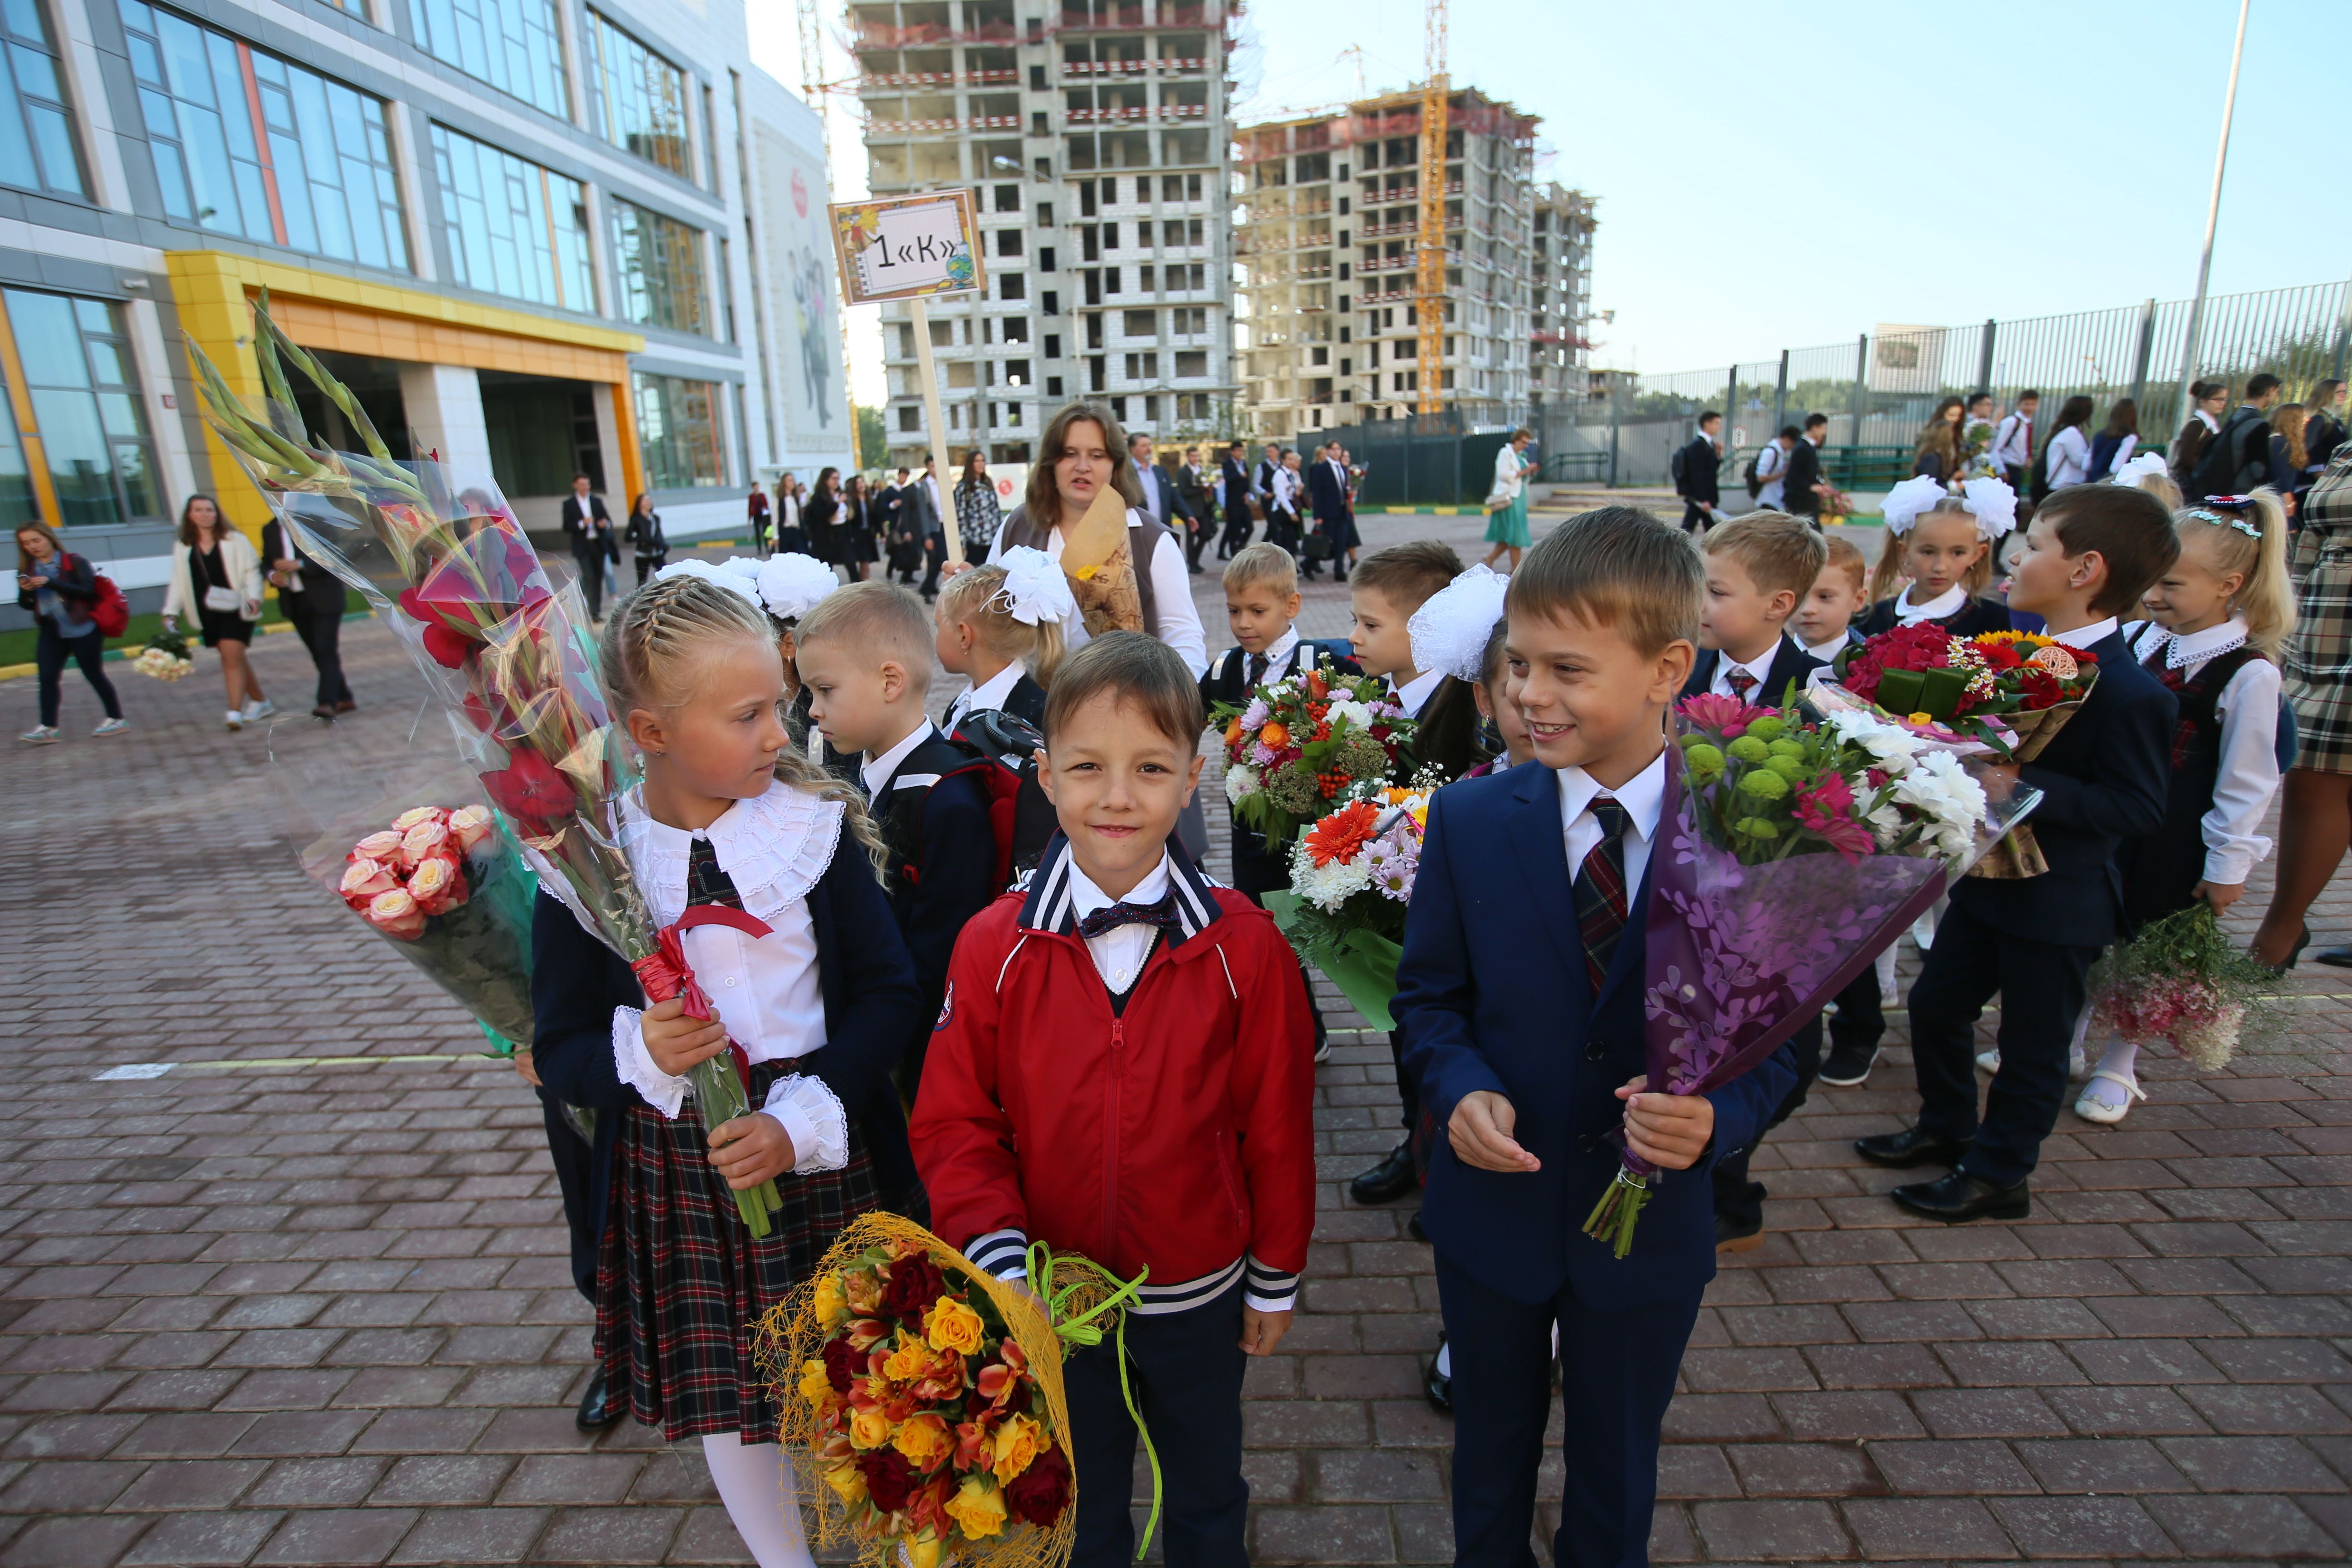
{"x":681,"y":1284}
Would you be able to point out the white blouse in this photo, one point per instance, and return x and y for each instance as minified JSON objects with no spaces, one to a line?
{"x":1950,"y":602}
{"x":773,"y":847}
{"x":2069,"y":458}
{"x":2249,"y":776}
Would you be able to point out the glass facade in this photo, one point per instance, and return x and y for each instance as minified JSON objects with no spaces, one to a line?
{"x":246,"y":144}
{"x":678,"y":430}
{"x":514,"y":228}
{"x":661,"y":264}
{"x":510,"y":43}
{"x":86,"y":407}
{"x":641,"y":98}
{"x":36,"y":139}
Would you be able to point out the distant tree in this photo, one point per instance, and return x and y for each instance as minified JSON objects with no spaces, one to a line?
{"x":873,"y":440}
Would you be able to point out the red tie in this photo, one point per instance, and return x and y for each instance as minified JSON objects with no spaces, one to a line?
{"x":1741,"y":683}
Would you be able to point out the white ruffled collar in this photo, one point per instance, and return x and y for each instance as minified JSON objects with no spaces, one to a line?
{"x":773,"y":847}
{"x":2195,"y":648}
{"x":1947,"y":602}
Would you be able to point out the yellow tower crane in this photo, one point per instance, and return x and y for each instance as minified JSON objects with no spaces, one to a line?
{"x":1429,"y":282}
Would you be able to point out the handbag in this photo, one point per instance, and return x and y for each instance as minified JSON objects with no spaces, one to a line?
{"x":225,"y":601}
{"x":1319,"y":546}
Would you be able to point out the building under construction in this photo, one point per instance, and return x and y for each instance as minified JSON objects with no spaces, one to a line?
{"x":1095,"y":133}
{"x":1560,"y":296}
{"x":1327,"y":233}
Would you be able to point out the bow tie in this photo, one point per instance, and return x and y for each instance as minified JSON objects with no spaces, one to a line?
{"x":1162,"y":914}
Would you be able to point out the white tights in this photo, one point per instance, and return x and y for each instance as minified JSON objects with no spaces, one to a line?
{"x":755,"y":1482}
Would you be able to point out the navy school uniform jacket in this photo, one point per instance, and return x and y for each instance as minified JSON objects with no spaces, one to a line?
{"x":871,"y":1011}
{"x":2104,"y":778}
{"x":1492,"y":994}
{"x":942,"y":867}
{"x":1227,"y":680}
{"x":1026,"y":702}
{"x":1981,"y":615}
{"x":1790,"y":663}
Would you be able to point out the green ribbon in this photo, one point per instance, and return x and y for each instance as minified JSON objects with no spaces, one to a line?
{"x":1084,"y":1332}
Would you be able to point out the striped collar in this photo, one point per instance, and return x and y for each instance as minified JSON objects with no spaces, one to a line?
{"x":1050,"y":908}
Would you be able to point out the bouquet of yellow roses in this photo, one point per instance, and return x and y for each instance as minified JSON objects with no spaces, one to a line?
{"x":924,"y":1396}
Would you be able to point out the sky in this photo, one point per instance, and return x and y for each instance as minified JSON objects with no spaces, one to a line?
{"x":1782,"y":175}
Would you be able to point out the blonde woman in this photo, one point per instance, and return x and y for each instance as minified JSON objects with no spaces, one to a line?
{"x":217,"y":583}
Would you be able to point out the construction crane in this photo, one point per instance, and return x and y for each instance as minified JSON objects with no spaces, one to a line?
{"x":1429,"y":284}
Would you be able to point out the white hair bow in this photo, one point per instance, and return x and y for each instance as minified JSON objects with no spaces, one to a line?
{"x":1034,"y":589}
{"x":789,"y":584}
{"x":1450,"y":630}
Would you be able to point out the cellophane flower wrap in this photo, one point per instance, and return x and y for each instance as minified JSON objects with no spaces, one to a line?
{"x":1352,"y":875}
{"x":924,"y":1398}
{"x":2012,"y":691}
{"x":1306,"y":744}
{"x":416,"y":856}
{"x":2182,"y":981}
{"x":510,"y":652}
{"x":1791,"y":849}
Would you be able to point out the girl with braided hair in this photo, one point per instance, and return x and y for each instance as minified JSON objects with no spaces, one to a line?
{"x":769,"y":864}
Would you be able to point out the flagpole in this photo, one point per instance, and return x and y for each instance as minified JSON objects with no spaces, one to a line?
{"x":2212,"y":221}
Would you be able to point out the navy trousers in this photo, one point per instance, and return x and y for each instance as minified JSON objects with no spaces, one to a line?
{"x":2041,"y":986}
{"x":1735,"y":1196}
{"x":1186,"y":1369}
{"x":1861,"y":1020}
{"x":1617,"y":1376}
{"x":575,"y":1177}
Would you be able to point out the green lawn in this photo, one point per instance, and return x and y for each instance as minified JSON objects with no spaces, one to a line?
{"x":16,"y":647}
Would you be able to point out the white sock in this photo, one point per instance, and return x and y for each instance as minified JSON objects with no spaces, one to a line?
{"x":2119,"y":1060}
{"x":1885,"y":966}
{"x":755,"y":1482}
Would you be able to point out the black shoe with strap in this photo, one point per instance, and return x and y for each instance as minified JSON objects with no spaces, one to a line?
{"x":1912,"y":1146}
{"x":1959,"y":1198}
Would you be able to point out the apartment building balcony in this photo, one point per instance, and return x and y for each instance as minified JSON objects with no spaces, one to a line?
{"x":941,"y":127}
{"x":1127,"y":70}
{"x":1128,"y":18}
{"x":1133,"y":115}
{"x":1403,"y":194}
{"x":879,"y":81}
{"x":874,"y":33}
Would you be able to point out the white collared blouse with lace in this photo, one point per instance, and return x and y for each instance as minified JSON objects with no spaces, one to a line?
{"x":2249,"y":770}
{"x":773,"y":847}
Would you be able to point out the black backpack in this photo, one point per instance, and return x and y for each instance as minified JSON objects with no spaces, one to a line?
{"x":1675,"y":465}
{"x":1755,"y":485}
{"x":1020,"y":815}
{"x":2224,"y":468}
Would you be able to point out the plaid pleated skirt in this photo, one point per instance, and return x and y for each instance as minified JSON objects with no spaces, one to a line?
{"x":2318,"y":665}
{"x":681,"y":1283}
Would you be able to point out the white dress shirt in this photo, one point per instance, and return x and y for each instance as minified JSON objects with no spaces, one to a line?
{"x":1287,"y":486}
{"x":2069,"y":458}
{"x":1950,"y":602}
{"x":2124,"y":450}
{"x":1830,"y":649}
{"x":2249,"y":775}
{"x":2012,"y":442}
{"x":1120,"y":954}
{"x":1759,"y":669}
{"x":1415,"y":693}
{"x":1773,"y":476}
{"x":874,"y":771}
{"x":1172,"y":591}
{"x":2085,"y":636}
{"x":764,"y":989}
{"x":1150,"y":490}
{"x":1644,"y":796}
{"x":989,"y":694}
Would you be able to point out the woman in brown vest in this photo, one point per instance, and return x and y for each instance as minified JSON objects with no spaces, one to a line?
{"x":1083,"y":451}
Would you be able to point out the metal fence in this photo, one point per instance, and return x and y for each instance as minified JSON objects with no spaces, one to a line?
{"x":1878,"y":392}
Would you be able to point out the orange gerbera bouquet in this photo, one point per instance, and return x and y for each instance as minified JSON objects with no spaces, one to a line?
{"x":1300,"y":745}
{"x":925,"y":1397}
{"x":1352,"y":877}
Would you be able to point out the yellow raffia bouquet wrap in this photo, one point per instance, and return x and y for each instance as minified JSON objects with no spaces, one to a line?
{"x":923,"y":1398}
{"x":1101,"y":565}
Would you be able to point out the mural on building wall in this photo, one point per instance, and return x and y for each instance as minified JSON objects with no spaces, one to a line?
{"x":808,"y":382}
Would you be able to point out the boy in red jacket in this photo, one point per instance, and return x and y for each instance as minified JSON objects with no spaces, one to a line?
{"x":1121,"y":1069}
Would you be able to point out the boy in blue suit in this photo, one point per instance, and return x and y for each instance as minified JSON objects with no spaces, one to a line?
{"x":2092,"y":552}
{"x":1519,"y":999}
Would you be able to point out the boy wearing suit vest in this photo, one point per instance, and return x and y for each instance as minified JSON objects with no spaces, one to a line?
{"x":1261,"y":604}
{"x":1520,"y":1000}
{"x":1759,"y":568}
{"x":2091,"y":551}
{"x":864,"y":654}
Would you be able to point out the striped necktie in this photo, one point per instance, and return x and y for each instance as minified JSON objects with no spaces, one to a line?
{"x":1600,"y":891}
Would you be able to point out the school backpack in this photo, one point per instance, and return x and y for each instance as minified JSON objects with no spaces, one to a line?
{"x":1674,"y":467}
{"x":110,"y":609}
{"x":2226,"y":468}
{"x":1755,"y":485}
{"x":1001,"y":751}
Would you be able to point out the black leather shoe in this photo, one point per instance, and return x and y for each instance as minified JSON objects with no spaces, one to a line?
{"x":1912,"y":1146}
{"x":1437,"y":1386}
{"x":1390,"y":1180}
{"x":1957,"y":1198}
{"x":1736,"y":1235}
{"x":1413,"y":1227}
{"x":596,"y":1411}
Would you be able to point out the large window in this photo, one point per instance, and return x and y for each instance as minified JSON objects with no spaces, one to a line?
{"x":641,"y":98}
{"x":514,"y":228}
{"x":660,"y":263}
{"x":510,"y":43}
{"x":247,"y":144}
{"x":86,"y":407}
{"x":37,"y":140}
{"x":677,"y":429}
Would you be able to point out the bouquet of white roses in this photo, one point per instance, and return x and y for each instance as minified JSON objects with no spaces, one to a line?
{"x":165,"y":657}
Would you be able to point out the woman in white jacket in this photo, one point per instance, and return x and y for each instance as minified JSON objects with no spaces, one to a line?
{"x":1507,"y":528}
{"x":217,"y":583}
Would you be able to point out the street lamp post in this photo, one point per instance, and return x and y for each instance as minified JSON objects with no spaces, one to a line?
{"x":2213,"y":220}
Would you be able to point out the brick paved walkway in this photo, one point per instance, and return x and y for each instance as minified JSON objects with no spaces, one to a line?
{"x":319,"y":1313}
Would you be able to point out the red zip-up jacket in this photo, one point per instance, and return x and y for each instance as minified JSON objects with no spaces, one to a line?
{"x":1176,"y":1136}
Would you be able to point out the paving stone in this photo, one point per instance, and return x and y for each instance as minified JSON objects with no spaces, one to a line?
{"x":1965,"y":1469}
{"x":625,"y":1535}
{"x":1330,"y":1534}
{"x":1771,"y":1532}
{"x":2230,"y":1526}
{"x":454,"y":1535}
{"x":337,"y":1536}
{"x":1900,"y":1529}
{"x":2249,"y":1464}
{"x":2087,"y":1528}
{"x":73,"y":1540}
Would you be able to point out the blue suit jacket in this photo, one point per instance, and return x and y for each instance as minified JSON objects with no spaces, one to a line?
{"x":2104,"y":778}
{"x":1492,"y":994}
{"x":1327,"y":490}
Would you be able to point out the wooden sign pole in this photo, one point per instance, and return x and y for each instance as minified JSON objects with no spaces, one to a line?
{"x":949,"y":530}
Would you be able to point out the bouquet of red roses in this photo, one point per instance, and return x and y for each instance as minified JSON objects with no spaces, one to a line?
{"x":454,"y":576}
{"x":2012,"y":691}
{"x":926,"y":1396}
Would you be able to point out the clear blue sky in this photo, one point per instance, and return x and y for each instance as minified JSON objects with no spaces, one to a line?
{"x":1774,"y":176}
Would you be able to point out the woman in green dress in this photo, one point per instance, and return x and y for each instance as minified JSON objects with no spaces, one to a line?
{"x":1507,"y":500}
